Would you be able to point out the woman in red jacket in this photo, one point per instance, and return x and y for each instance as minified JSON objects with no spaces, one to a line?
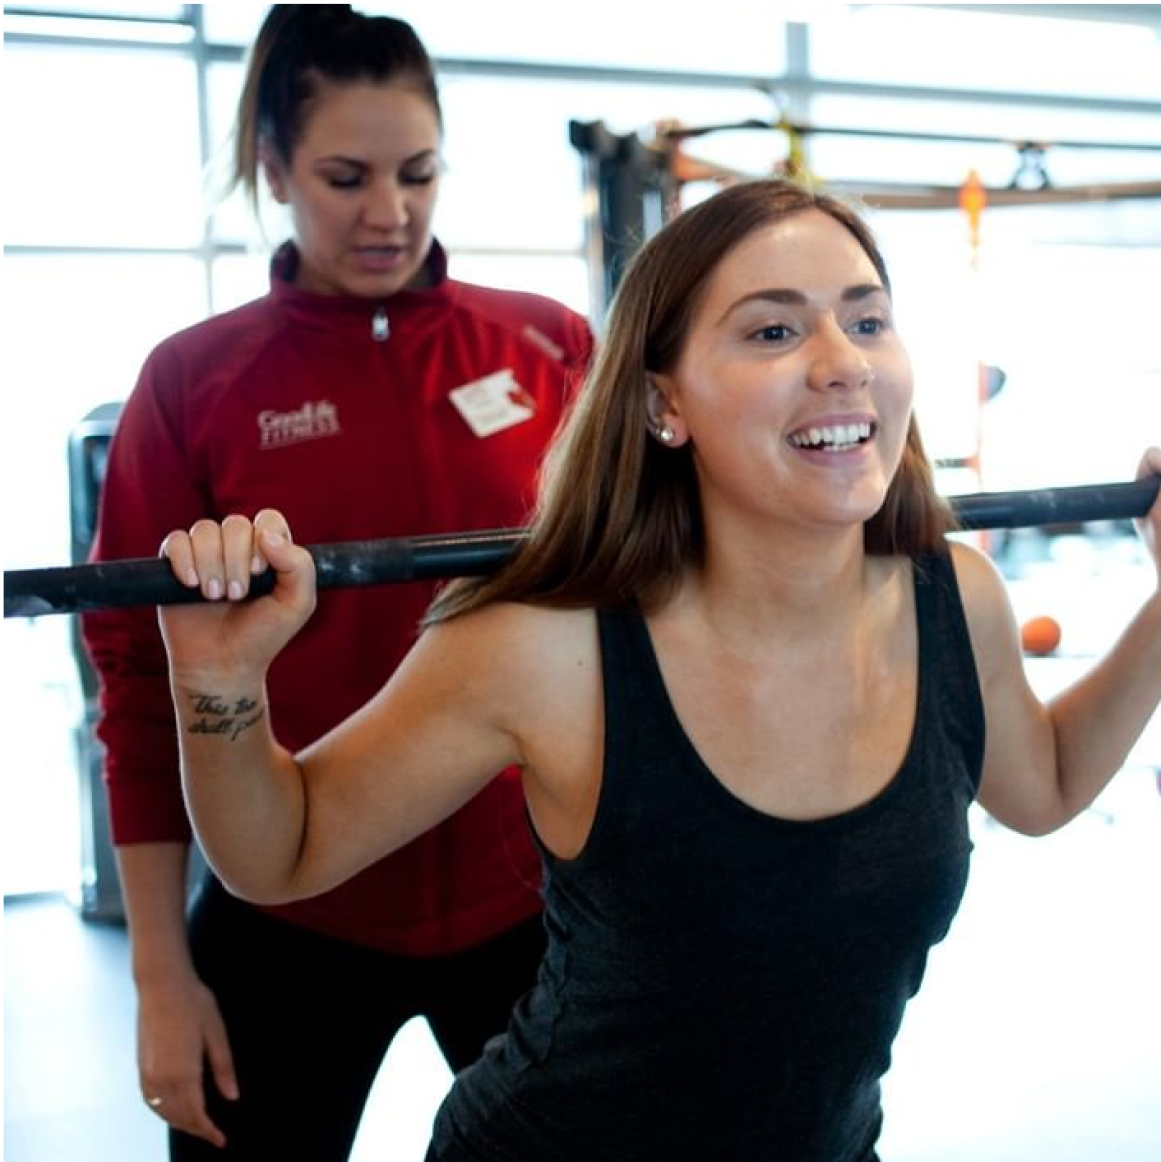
{"x":367,"y":395}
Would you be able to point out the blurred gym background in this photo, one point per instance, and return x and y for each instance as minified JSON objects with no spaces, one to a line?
{"x":1010,"y":157}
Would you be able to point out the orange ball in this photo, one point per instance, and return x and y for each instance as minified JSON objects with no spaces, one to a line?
{"x":1040,"y":635}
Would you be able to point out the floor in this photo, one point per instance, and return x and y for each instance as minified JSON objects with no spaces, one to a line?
{"x":70,"y":1084}
{"x":1036,"y":1037}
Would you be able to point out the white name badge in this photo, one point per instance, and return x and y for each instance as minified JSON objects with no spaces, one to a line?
{"x":491,"y":404}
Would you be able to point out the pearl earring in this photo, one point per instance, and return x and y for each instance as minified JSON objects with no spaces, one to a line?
{"x":664,"y":433}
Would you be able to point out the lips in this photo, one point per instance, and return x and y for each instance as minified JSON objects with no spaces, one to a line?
{"x":833,"y":437}
{"x":380,"y":257}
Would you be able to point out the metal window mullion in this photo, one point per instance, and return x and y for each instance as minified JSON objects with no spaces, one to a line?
{"x":207,"y":249}
{"x":794,"y":86}
{"x":38,"y":250}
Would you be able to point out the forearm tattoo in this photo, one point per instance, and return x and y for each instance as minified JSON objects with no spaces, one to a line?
{"x":214,"y":715}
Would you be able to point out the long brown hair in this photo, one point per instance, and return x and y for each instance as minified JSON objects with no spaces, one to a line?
{"x":297,"y":47}
{"x":618,"y":515}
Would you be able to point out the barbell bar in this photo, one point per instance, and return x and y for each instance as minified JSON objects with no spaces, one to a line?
{"x":347,"y":564}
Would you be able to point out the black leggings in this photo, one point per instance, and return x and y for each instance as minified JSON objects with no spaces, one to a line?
{"x":310,"y":1019}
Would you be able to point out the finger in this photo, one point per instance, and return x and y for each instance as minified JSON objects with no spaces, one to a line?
{"x":237,"y":553}
{"x":267,"y":520}
{"x":293,"y":564}
{"x":202,"y":1125}
{"x":296,"y":579}
{"x":177,"y":548}
{"x":1150,"y":465}
{"x":184,"y":1109}
{"x":209,"y":558}
{"x":221,"y":1061}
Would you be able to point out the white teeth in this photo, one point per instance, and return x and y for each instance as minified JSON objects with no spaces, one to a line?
{"x":835,"y":438}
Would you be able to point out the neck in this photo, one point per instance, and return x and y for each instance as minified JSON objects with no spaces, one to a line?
{"x":785,"y":585}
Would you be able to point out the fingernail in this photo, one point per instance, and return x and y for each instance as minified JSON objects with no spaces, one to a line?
{"x":234,"y":591}
{"x":214,"y":589}
{"x":256,"y":564}
{"x":275,"y":539}
{"x":191,"y":578}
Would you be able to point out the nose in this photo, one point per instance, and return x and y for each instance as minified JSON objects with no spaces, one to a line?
{"x":837,"y":363}
{"x":386,"y":205}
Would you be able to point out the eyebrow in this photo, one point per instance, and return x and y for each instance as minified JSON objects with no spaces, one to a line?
{"x":851,"y":294}
{"x":358,"y":162}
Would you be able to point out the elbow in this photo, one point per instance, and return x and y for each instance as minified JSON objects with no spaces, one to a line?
{"x":1040,"y":820}
{"x":1032,"y":819}
{"x":262,"y":895}
{"x":255,"y":887}
{"x":1035,"y":828}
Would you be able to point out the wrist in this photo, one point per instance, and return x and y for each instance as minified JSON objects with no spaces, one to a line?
{"x":185,"y":680}
{"x":161,"y":973}
{"x":160,"y":958}
{"x":219,"y":709}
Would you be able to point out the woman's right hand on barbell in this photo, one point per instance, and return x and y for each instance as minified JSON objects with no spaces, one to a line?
{"x":227,"y":635}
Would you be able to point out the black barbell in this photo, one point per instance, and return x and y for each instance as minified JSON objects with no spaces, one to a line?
{"x":346,"y":564}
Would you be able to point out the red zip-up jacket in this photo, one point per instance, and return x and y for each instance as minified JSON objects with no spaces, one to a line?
{"x":337,"y":412}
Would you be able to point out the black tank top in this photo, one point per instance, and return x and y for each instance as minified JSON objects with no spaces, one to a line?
{"x":722,"y":985}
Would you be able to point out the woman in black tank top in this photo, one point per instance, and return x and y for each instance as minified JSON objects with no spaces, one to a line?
{"x":753,"y":689}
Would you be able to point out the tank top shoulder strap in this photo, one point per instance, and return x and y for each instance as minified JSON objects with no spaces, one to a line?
{"x":633,"y":699}
{"x":947,"y":662}
{"x":642,"y":753}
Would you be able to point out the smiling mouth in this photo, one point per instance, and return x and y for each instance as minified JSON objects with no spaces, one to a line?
{"x":833,"y":437}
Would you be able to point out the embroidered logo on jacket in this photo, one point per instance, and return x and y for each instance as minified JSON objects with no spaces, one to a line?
{"x":313,"y":421}
{"x":541,"y":340}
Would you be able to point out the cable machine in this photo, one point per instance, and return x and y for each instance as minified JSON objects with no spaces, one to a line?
{"x":632,"y":186}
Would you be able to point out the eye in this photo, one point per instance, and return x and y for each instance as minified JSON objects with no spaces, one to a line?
{"x":773,"y":333}
{"x":419,"y":178}
{"x":344,"y":181}
{"x":871,"y":325}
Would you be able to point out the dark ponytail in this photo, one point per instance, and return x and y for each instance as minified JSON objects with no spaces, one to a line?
{"x":297,"y":46}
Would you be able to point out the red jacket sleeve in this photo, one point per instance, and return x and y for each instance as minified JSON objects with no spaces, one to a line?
{"x":149,"y":489}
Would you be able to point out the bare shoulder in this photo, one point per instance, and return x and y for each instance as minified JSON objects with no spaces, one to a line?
{"x":519,"y":648}
{"x":985,"y":599}
{"x":519,"y":629}
{"x":535,"y":673}
{"x":979,"y":579}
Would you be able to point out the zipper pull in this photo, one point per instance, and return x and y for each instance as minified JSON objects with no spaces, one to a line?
{"x":380,"y":327}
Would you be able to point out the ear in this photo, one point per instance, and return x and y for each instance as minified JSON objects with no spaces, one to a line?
{"x":661,"y":412}
{"x":274,"y":172}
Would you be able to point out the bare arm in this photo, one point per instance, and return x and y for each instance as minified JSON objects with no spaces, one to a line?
{"x":179,"y":1027}
{"x":277,"y":826}
{"x":1046,"y":762}
{"x":153,"y":879}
